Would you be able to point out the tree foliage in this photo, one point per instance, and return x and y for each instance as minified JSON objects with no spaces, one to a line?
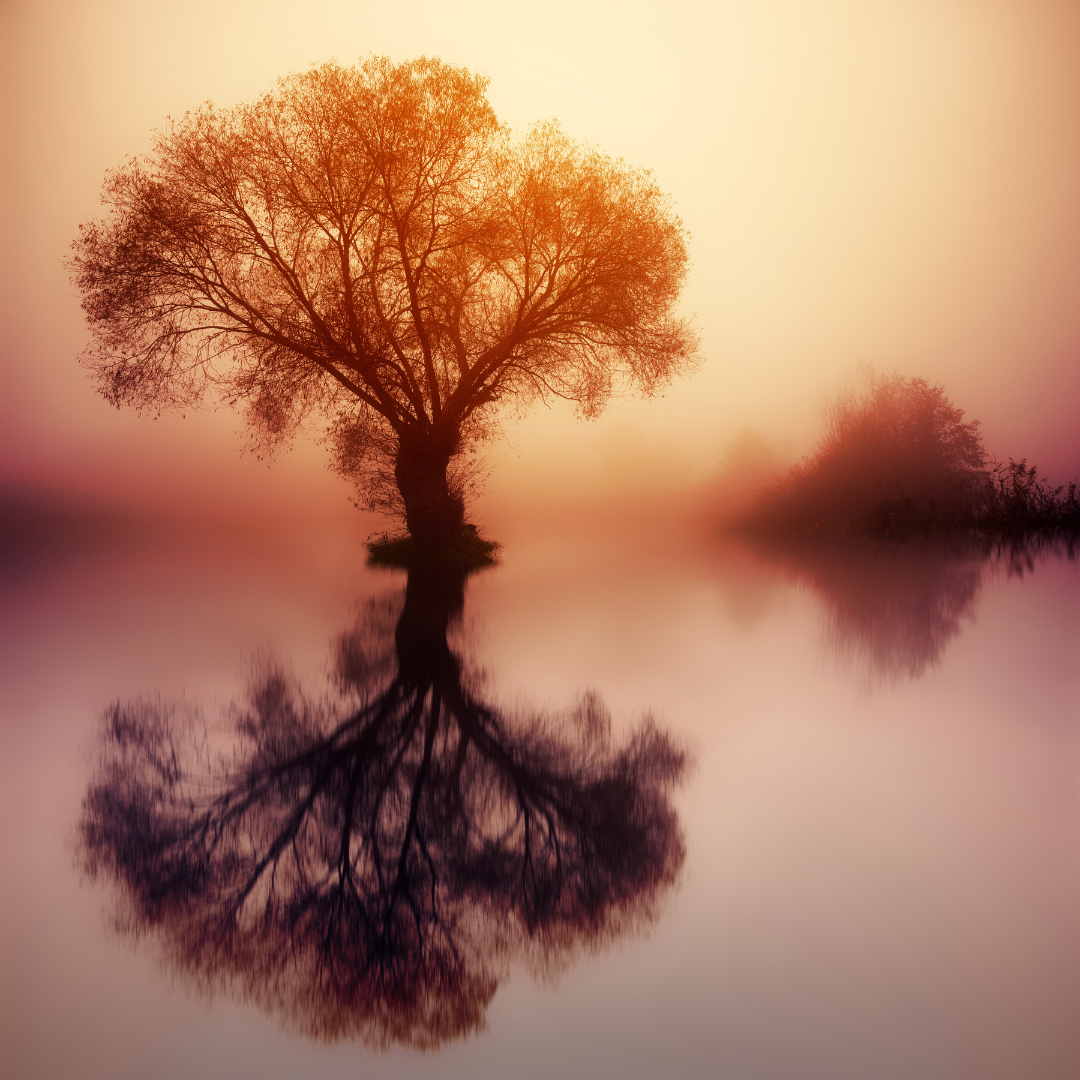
{"x":893,"y":450}
{"x":368,"y":246}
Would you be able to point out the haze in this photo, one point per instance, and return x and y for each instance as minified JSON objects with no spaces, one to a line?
{"x":882,"y":846}
{"x":891,"y":182}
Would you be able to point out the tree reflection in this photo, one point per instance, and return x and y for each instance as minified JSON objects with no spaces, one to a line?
{"x":891,"y":609}
{"x":369,"y":863}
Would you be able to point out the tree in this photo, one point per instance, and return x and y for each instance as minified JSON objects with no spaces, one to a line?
{"x":368,"y":246}
{"x":894,"y":452}
{"x":367,"y":863}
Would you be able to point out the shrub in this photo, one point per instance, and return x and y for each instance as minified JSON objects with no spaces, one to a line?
{"x":1014,"y":497}
{"x":894,"y":452}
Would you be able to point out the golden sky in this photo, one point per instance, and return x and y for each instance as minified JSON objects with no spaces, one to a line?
{"x":895,"y":181}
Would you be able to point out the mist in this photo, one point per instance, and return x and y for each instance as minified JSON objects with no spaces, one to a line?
{"x":893,"y":184}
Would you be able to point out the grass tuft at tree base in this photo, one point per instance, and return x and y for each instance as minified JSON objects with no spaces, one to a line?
{"x":468,"y":550}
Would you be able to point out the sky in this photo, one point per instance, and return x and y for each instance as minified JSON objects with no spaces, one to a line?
{"x":891,"y":181}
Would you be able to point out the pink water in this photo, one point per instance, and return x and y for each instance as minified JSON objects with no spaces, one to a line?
{"x":883,"y":826}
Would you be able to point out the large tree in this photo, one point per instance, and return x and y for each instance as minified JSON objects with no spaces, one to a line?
{"x":369,"y":248}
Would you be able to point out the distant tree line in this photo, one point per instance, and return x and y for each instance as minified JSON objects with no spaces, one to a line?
{"x":895,"y":454}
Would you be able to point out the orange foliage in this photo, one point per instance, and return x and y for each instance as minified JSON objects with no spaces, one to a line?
{"x":368,"y":246}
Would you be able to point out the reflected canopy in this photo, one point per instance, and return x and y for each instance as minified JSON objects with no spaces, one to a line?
{"x":369,"y":863}
{"x":891,"y":609}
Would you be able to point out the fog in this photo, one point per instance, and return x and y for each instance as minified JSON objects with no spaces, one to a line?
{"x":892,"y":183}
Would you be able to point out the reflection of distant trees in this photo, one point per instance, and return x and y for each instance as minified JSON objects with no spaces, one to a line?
{"x":369,"y":862}
{"x":891,"y":609}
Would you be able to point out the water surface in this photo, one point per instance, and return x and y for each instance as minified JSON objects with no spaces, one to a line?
{"x":881,"y":869}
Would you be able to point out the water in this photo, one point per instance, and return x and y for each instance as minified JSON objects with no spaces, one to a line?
{"x":882,"y":868}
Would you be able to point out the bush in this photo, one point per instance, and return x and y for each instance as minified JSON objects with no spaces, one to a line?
{"x":894,"y":452}
{"x":895,"y":455}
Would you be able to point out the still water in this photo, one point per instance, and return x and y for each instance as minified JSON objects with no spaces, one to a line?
{"x":685,"y":808}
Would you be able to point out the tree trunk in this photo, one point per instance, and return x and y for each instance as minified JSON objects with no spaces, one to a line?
{"x":434,"y":512}
{"x":434,"y":598}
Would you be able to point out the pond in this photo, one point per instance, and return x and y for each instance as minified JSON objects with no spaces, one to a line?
{"x":804,"y":809}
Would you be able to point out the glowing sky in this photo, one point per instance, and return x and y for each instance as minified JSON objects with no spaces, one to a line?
{"x":894,"y":181}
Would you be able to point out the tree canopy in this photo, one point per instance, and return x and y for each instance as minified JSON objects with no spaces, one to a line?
{"x":894,"y":451}
{"x":370,"y":248}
